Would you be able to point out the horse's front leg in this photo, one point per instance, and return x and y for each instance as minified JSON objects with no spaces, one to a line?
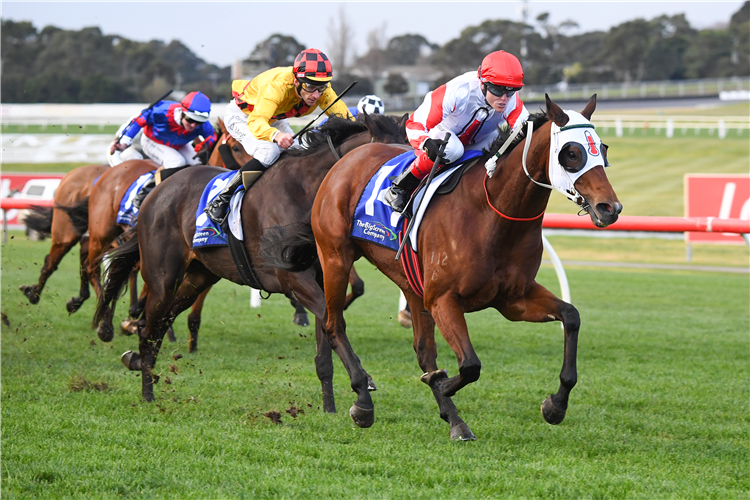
{"x":426,"y":349}
{"x":540,"y":305}
{"x":450,"y":320}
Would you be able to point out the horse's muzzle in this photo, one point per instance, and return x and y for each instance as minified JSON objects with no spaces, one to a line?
{"x":605,"y":214}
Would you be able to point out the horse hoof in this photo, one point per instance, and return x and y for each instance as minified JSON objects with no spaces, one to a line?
{"x":30,"y":292}
{"x":170,"y":335}
{"x":73,"y":305}
{"x":129,"y":327}
{"x":433,"y":377}
{"x":301,"y":320}
{"x":363,"y":418}
{"x":404,"y":318}
{"x":461,"y":432}
{"x":552,"y":414}
{"x":371,"y":384}
{"x":106,"y":332}
{"x":131,"y":360}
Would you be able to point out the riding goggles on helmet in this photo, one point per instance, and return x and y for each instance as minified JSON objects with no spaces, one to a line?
{"x":500,"y":90}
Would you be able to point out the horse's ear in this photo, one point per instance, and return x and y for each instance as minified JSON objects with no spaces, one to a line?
{"x":220,"y":125}
{"x":555,"y":112}
{"x":590,"y":107}
{"x":402,"y":127}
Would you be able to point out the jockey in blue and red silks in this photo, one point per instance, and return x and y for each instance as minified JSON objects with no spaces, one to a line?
{"x":471,"y":107}
{"x":169,"y":129}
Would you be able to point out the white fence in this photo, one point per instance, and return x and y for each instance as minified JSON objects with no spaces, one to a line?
{"x":670,"y":125}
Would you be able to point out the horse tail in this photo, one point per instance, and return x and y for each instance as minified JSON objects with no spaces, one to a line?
{"x":78,"y":214}
{"x":118,"y":263}
{"x":39,"y":219}
{"x":289,"y":248}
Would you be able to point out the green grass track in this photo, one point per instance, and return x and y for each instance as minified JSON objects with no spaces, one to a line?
{"x":660,"y":409}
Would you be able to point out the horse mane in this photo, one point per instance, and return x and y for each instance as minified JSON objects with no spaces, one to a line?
{"x":337,"y":128}
{"x":340,"y":129}
{"x":538,"y":119}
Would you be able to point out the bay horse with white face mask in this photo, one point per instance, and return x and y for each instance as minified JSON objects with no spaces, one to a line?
{"x":487,"y":235}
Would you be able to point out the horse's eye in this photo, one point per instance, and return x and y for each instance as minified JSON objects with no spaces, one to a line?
{"x":572,"y":157}
{"x":236,"y":149}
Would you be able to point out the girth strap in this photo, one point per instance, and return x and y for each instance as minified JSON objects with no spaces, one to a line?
{"x":241,"y":258}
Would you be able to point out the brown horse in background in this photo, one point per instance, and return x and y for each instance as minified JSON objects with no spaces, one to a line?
{"x":65,"y":232}
{"x":471,"y":254}
{"x":176,"y":273}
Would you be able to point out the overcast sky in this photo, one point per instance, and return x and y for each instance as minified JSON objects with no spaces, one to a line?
{"x":221,"y":32}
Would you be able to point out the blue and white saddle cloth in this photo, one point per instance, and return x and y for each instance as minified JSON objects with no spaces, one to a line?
{"x":207,"y":233}
{"x":375,"y":221}
{"x":128,"y":214}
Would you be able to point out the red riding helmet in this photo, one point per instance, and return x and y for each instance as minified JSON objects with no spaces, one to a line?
{"x":313,"y":65}
{"x":501,"y":68}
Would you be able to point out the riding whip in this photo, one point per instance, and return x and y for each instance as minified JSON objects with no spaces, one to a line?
{"x":322,"y":112}
{"x":427,"y":184}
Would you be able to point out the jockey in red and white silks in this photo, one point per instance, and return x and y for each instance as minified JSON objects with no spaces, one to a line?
{"x":471,"y":107}
{"x":459,"y":107}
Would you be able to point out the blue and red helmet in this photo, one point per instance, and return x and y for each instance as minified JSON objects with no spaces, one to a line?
{"x":196,"y":106}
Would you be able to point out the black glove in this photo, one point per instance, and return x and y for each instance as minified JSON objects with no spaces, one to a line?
{"x":203,"y":156}
{"x":432,"y":148}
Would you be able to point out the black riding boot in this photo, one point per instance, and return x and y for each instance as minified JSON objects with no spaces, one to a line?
{"x":145,"y":189}
{"x":216,"y":208}
{"x":398,"y":194}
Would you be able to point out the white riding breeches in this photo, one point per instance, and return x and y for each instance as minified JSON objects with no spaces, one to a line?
{"x":169,"y":157}
{"x":265,"y":152}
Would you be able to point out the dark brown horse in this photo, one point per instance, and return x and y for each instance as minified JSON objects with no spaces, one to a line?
{"x":74,"y":189}
{"x":230,"y":153}
{"x":479,"y":247}
{"x":175,"y":273}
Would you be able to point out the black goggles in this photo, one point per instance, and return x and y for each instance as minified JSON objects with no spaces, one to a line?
{"x":499,"y":90}
{"x":190,"y":120}
{"x":314,"y":87}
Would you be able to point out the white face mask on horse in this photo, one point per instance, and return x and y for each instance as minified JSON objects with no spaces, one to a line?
{"x":574,"y":150}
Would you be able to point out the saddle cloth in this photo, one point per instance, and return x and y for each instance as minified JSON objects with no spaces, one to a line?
{"x":375,"y":221}
{"x":207,"y":233}
{"x":127,"y":213}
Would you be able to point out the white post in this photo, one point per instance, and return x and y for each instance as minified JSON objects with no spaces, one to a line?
{"x":254,"y":298}
{"x":670,"y":128}
{"x":722,"y":129}
{"x":559,"y":269}
{"x":618,"y":127}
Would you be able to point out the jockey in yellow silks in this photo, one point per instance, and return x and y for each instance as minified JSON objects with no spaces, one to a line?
{"x":257,"y":114}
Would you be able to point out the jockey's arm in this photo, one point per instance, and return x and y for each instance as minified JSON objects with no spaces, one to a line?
{"x":259,"y":119}
{"x":209,"y":133}
{"x":131,"y":131}
{"x":422,"y":124}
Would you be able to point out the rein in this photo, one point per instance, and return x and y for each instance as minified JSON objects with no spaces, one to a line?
{"x":333,"y":149}
{"x":529,"y":132}
{"x":521,"y":219}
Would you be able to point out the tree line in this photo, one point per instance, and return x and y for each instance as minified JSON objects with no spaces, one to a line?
{"x":86,"y":66}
